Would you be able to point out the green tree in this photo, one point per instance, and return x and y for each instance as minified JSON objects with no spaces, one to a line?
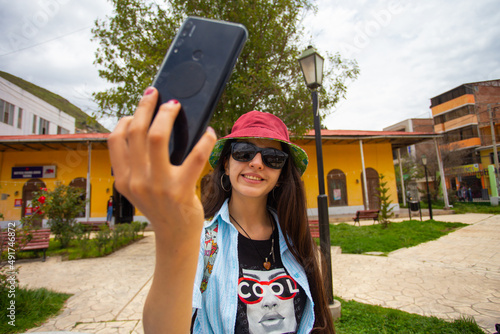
{"x":385,"y":203}
{"x":61,"y":206}
{"x":267,"y":76}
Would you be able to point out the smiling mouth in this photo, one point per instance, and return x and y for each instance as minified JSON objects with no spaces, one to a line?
{"x":253,"y":178}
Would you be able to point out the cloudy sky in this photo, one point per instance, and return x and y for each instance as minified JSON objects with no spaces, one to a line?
{"x":407,"y":51}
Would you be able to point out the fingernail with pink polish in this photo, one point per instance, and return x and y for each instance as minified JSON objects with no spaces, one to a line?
{"x":174,"y":101}
{"x":149,"y":90}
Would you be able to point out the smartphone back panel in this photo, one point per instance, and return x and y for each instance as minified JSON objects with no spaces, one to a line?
{"x":195,"y":70}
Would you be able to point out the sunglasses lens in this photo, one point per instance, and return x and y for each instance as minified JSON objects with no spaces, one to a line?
{"x":274,"y":158}
{"x":271,"y":157}
{"x":243,"y":152}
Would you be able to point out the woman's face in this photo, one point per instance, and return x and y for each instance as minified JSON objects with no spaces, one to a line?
{"x":253,"y":178}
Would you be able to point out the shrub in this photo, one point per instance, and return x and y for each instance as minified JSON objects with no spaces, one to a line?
{"x":102,"y":239}
{"x":62,"y":206}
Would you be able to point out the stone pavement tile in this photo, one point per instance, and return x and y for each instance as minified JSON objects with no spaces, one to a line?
{"x":109,"y":327}
{"x":487,"y":322}
{"x":139,"y":329}
{"x":133,"y":310}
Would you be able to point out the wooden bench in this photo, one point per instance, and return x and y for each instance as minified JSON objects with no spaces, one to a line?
{"x":94,"y":225}
{"x":314,"y":228}
{"x":35,"y":240}
{"x":366,"y":214}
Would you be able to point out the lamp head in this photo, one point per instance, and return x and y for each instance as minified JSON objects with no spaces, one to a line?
{"x":424,"y":160}
{"x":311,"y":64}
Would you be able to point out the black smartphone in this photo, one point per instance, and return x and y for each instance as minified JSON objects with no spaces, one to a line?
{"x":195,"y":70}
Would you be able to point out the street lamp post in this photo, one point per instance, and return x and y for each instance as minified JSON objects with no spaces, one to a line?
{"x":429,"y":203}
{"x":311,"y":64}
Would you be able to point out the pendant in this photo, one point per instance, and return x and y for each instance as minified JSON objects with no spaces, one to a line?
{"x":267,"y":265}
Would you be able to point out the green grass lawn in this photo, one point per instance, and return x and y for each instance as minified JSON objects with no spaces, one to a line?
{"x":32,"y":308}
{"x":373,"y":238}
{"x":362,"y":318}
{"x":463,"y":207}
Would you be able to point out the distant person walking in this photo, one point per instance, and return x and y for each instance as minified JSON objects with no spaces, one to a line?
{"x":463,"y":193}
{"x":110,"y":210}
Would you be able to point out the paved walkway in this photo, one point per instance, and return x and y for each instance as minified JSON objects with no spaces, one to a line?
{"x":456,"y":275}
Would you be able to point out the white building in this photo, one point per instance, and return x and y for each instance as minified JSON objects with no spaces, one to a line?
{"x":22,"y":113}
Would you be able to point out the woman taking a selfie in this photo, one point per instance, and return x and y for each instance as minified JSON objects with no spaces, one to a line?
{"x":255,"y":269}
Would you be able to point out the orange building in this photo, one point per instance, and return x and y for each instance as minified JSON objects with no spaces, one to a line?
{"x":462,"y":116}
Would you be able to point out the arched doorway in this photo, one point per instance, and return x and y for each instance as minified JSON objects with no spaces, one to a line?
{"x":372,"y":182}
{"x":123,"y":210}
{"x":30,"y":187}
{"x":337,"y":188}
{"x":81,"y":183}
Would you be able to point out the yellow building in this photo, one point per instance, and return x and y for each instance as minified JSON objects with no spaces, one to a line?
{"x":346,"y":153}
{"x":28,"y":163}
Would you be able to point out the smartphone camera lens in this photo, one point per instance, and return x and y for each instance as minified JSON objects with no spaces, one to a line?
{"x":179,"y":42}
{"x":197,"y":55}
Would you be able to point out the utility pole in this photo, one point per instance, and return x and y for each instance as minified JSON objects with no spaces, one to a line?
{"x":494,"y":143}
{"x":443,"y":178}
{"x":401,"y":177}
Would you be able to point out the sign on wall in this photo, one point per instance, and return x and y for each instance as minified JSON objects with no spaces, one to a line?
{"x":32,"y":172}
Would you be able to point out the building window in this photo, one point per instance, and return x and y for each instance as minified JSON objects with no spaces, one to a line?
{"x":20,"y":118}
{"x":492,"y":158}
{"x":7,"y":112}
{"x":61,"y":130}
{"x":457,"y":113}
{"x":452,"y":94}
{"x":34,"y":124}
{"x":43,"y":129}
{"x":461,"y":134}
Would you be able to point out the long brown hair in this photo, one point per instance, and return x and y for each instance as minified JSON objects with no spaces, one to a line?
{"x":289,"y":200}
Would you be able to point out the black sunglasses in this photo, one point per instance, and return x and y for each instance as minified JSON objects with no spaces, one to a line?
{"x":272,"y":157}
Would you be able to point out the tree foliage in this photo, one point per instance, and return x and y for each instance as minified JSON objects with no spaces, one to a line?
{"x":267,"y":77}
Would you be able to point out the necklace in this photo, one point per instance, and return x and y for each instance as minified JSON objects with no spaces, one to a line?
{"x":266,"y":264}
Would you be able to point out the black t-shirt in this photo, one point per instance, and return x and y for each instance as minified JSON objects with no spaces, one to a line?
{"x":269,"y":301}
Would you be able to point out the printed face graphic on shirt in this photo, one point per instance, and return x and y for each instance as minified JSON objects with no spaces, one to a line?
{"x":269,"y":298}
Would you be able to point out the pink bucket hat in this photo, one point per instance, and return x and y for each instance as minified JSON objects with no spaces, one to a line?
{"x":262,"y":125}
